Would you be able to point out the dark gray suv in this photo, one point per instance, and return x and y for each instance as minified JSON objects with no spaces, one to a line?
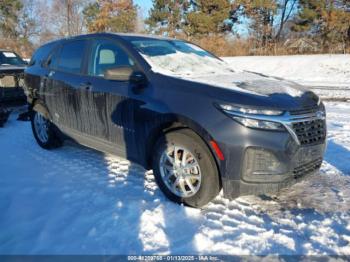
{"x":179,"y":110}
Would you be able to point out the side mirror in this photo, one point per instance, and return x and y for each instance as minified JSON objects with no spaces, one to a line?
{"x":119,"y":73}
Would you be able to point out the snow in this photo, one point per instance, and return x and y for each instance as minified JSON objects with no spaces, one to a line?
{"x":250,"y":83}
{"x":319,"y":72}
{"x":327,"y":75}
{"x":74,"y":200}
{"x":212,"y":71}
{"x":187,"y":64}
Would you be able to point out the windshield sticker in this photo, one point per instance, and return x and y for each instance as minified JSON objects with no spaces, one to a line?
{"x":9,"y":54}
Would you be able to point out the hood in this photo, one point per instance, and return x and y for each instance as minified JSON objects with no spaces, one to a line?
{"x":251,"y":83}
{"x":222,"y":82}
{"x":253,"y":89}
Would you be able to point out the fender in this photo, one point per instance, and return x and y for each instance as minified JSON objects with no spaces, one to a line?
{"x":172,"y":122}
{"x":40,"y":108}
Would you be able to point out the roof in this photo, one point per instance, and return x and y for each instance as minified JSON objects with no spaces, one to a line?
{"x":144,"y":36}
{"x":125,"y":36}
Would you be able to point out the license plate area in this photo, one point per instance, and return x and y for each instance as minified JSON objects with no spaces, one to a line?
{"x":307,"y":154}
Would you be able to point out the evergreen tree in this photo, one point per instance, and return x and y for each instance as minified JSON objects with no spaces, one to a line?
{"x":261,"y":14}
{"x":207,"y":17}
{"x":167,"y":16}
{"x":91,"y":13}
{"x":328,"y":20}
{"x":111,"y":15}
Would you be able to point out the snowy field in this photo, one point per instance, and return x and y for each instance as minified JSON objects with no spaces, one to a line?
{"x":322,"y":73}
{"x":75,"y":200}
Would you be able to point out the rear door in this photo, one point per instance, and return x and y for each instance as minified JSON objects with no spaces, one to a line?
{"x":63,"y":84}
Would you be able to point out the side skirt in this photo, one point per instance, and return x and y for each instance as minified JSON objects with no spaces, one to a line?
{"x":93,"y":142}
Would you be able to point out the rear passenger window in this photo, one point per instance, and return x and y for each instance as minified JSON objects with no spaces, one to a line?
{"x":71,"y":56}
{"x":41,"y":54}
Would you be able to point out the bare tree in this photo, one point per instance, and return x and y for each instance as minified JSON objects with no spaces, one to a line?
{"x":28,"y":24}
{"x":287,"y":7}
{"x":67,"y":17}
{"x":140,"y":21}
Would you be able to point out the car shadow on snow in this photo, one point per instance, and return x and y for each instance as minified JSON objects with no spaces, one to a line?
{"x":98,"y":203}
{"x":338,"y":156}
{"x":117,"y":208}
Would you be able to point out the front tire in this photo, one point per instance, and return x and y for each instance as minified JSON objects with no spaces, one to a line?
{"x":185,"y":169}
{"x":43,"y":131}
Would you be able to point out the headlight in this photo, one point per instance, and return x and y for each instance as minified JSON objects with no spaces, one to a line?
{"x":251,"y":111}
{"x":252,"y":118}
{"x":261,"y":124}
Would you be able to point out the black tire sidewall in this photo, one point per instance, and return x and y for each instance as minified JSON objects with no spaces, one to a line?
{"x":210,"y":182}
{"x":52,"y":141}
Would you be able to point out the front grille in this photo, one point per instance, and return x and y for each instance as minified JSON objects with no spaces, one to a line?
{"x":310,"y":132}
{"x":307,"y":168}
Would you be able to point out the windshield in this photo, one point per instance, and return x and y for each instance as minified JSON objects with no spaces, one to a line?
{"x":10,"y":58}
{"x":179,"y":58}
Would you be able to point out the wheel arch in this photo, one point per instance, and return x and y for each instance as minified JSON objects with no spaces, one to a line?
{"x":173,"y":123}
{"x":39,"y":106}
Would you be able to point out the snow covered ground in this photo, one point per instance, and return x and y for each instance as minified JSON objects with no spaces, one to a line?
{"x":320,"y":72}
{"x":75,"y":200}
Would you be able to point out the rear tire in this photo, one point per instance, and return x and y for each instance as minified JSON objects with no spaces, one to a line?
{"x":185,"y":169}
{"x":43,"y":131}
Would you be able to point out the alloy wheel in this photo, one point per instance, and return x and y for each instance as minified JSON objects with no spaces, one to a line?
{"x":41,"y":127}
{"x":180,"y":171}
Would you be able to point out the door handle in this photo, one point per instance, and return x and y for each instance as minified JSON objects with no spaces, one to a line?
{"x":86,"y":86}
{"x":49,"y":74}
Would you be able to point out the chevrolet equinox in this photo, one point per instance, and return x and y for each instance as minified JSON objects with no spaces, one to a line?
{"x":173,"y":107}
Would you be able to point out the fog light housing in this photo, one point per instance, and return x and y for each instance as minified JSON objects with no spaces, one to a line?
{"x":260,"y":165}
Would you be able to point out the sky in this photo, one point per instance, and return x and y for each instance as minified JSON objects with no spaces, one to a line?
{"x":145,"y":5}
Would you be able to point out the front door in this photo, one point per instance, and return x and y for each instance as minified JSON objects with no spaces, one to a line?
{"x":108,"y":105}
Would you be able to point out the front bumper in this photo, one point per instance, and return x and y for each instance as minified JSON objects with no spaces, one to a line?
{"x":236,"y":188}
{"x":260,"y":162}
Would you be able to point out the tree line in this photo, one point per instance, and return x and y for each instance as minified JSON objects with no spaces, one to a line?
{"x":226,"y":27}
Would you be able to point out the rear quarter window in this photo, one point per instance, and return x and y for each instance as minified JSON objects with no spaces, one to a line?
{"x":41,"y":54}
{"x":71,"y":56}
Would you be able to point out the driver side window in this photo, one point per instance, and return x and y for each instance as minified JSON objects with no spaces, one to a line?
{"x":107,"y":55}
